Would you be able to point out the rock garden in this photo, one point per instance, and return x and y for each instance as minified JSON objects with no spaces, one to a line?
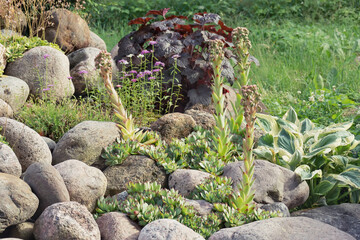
{"x":163,"y":137}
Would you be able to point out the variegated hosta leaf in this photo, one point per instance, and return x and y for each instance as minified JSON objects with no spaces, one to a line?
{"x":267,"y":141}
{"x":306,"y":125}
{"x":286,"y":141}
{"x":264,"y":153}
{"x":305,"y":173}
{"x":291,"y":127}
{"x":338,"y":160}
{"x":350,"y":177}
{"x":335,"y":128}
{"x":295,"y":159}
{"x":325,"y":145}
{"x":291,"y":116}
{"x":267,"y":123}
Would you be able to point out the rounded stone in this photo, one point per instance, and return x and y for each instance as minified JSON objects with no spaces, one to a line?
{"x":85,"y":142}
{"x":41,"y":68}
{"x":186,"y":180}
{"x":174,"y":125}
{"x":85,"y":184}
{"x":8,"y":161}
{"x":68,"y":30}
{"x":117,"y":226}
{"x":48,"y":185}
{"x":135,"y":168}
{"x":18,"y":203}
{"x":168,"y":229}
{"x":27,"y":144}
{"x":272,"y":183}
{"x":14,"y":91}
{"x":66,"y":220}
{"x":96,"y":41}
{"x":295,"y":228}
{"x":5,"y":110}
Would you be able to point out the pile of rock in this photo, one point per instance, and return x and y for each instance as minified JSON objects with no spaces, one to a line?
{"x":52,"y":195}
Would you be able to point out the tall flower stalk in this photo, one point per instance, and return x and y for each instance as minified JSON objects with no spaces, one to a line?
{"x":244,"y":198}
{"x":242,"y":45}
{"x":126,"y":125}
{"x":221,"y":134}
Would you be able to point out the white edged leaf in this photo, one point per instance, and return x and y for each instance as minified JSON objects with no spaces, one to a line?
{"x":267,"y":123}
{"x":305,"y":173}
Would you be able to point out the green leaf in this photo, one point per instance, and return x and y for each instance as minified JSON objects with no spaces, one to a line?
{"x":305,"y":173}
{"x":323,"y":187}
{"x":306,"y":125}
{"x":295,"y":160}
{"x":267,"y":123}
{"x":266,"y":140}
{"x":291,"y":116}
{"x":286,"y":141}
{"x":264,"y":153}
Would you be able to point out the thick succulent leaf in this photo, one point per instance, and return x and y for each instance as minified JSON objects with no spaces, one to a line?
{"x":291,"y":116}
{"x":267,"y":123}
{"x":324,"y":187}
{"x":305,"y":173}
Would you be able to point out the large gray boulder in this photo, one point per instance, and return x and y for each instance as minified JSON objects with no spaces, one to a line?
{"x":85,"y":142}
{"x":135,"y":168}
{"x":85,"y":184}
{"x":14,"y":91}
{"x":117,"y":226}
{"x":186,"y":180}
{"x":27,"y":144}
{"x":66,"y":220}
{"x":83,"y":72}
{"x":174,"y":125}
{"x":295,"y":228}
{"x":8,"y":161}
{"x":345,"y":217}
{"x":48,"y":185}
{"x":43,"y":68}
{"x":68,"y":30}
{"x":168,"y":229}
{"x":18,"y":203}
{"x":273,"y":183}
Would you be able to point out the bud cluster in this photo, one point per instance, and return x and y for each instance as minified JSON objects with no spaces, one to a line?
{"x":216,"y":50}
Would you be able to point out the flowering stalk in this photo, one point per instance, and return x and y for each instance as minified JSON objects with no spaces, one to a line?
{"x":242,"y":46}
{"x":221,"y":135}
{"x":244,"y":198}
{"x":127,"y":125}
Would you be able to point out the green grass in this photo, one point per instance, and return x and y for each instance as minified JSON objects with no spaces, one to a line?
{"x":291,"y":55}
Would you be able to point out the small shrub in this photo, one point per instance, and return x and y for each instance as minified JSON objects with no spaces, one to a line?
{"x":54,"y":119}
{"x":16,"y":45}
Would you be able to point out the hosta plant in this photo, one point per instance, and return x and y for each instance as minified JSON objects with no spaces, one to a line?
{"x":321,"y":156}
